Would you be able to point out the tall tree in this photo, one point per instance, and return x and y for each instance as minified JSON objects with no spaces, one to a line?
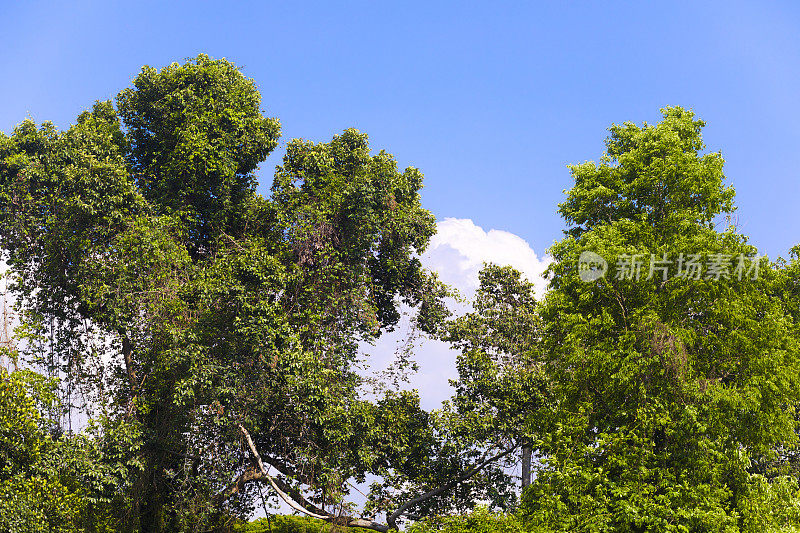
{"x":215,"y":331}
{"x":501,"y":390}
{"x":671,"y":380}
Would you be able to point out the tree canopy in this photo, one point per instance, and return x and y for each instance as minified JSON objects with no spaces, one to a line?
{"x":207,"y":340}
{"x":196,"y":314}
{"x":670,"y":384}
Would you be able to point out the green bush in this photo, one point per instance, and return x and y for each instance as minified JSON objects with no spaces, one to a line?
{"x":770,"y":505}
{"x":48,"y":483}
{"x":479,"y":521}
{"x":291,"y":524}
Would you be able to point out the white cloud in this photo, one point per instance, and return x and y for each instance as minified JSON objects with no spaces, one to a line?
{"x":457,"y":253}
{"x":460,"y":247}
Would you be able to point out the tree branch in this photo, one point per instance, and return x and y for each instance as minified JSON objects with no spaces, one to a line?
{"x":285,"y":497}
{"x":251,"y":474}
{"x":392,"y":518}
{"x":302,"y":505}
{"x":281,"y":489}
{"x":127,"y":354}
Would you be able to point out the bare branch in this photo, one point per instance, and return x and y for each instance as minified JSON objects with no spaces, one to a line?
{"x":285,"y":497}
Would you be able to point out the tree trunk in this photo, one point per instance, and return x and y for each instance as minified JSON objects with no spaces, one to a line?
{"x":526,"y":466}
{"x":152,"y":504}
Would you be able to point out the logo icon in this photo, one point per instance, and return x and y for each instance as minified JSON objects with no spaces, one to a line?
{"x":591,"y":266}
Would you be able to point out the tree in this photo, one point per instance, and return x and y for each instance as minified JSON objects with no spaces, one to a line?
{"x":501,"y":390}
{"x":49,"y":481}
{"x":667,"y":385}
{"x":214,"y":330}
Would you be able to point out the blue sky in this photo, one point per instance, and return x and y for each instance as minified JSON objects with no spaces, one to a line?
{"x":490,"y":101}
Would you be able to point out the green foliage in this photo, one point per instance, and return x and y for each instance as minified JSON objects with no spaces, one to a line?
{"x":667,"y":389}
{"x":479,"y":521}
{"x":499,"y":373}
{"x":196,"y":134}
{"x":501,"y":388}
{"x":770,"y":505}
{"x":653,"y":175}
{"x":290,"y":524}
{"x":47,"y":483}
{"x":154,"y":278}
{"x":192,"y":315}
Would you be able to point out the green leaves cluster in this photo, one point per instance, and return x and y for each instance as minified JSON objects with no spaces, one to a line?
{"x":290,"y":524}
{"x":49,"y":481}
{"x":479,"y":521}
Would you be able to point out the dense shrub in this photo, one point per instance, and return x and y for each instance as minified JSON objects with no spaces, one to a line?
{"x":479,"y":521}
{"x":49,"y":480}
{"x":291,"y":524}
{"x":770,"y":505}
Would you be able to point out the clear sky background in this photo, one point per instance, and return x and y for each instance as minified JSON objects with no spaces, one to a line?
{"x":490,"y":101}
